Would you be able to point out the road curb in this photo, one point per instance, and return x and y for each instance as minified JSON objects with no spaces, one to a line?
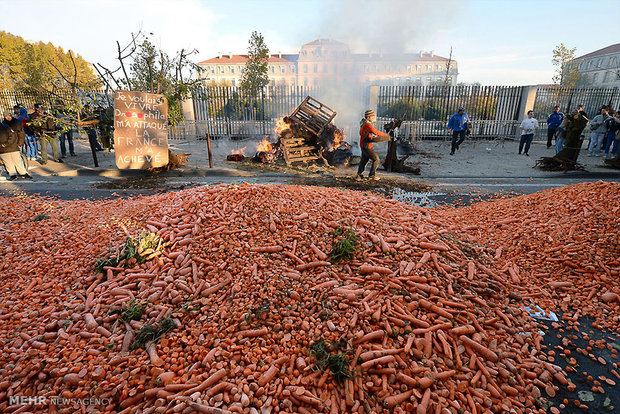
{"x":189,"y":172}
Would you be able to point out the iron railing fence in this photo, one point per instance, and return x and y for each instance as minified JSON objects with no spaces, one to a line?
{"x":568,"y":99}
{"x":483,"y":130}
{"x":27,"y":99}
{"x":438,"y":103}
{"x":234,"y":104}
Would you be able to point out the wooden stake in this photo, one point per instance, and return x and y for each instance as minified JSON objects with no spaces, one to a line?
{"x":209,"y":150}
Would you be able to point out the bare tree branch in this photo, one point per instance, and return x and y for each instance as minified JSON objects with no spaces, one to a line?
{"x":74,"y":68}
{"x":120,"y":59}
{"x":448,"y":67}
{"x":110,"y":74}
{"x":60,"y":73}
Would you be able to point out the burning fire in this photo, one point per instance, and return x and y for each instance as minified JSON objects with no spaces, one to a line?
{"x":264,"y":146}
{"x":339,"y":138}
{"x":280,"y":127}
{"x":239,"y":151}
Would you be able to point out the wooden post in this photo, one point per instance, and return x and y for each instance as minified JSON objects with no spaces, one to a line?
{"x":92,"y":147}
{"x":209,"y":150}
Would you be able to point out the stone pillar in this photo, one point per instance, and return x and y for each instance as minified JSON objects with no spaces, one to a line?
{"x":528,"y":97}
{"x":190,"y":128}
{"x":188,"y":110}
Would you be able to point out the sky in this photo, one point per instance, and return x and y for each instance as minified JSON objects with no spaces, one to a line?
{"x":495,"y":42}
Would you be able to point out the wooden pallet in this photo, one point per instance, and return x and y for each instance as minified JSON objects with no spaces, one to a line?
{"x":299,"y":153}
{"x":313,"y":115}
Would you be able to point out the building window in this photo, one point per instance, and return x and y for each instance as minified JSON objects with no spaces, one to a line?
{"x":316,"y":68}
{"x":335,"y":68}
{"x":305,"y":82}
{"x":273,"y":69}
{"x":233,"y":82}
{"x":305,"y":68}
{"x":212,"y":69}
{"x":292,"y":69}
{"x":595,"y":78}
{"x":242,"y":69}
{"x":418,"y":68}
{"x":325,"y":68}
{"x":429,"y":80}
{"x":409,"y":68}
{"x":429,"y":67}
{"x":232,"y":69}
{"x":316,"y":81}
{"x":282,"y":69}
{"x":439,"y":67}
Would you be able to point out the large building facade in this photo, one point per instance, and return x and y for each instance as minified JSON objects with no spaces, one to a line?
{"x":600,"y":68}
{"x":326,"y":61}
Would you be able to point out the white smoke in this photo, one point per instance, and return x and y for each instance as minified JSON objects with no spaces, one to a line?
{"x":392,"y":27}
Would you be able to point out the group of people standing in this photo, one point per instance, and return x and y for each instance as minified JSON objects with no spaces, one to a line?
{"x":32,"y":132}
{"x":604,"y":130}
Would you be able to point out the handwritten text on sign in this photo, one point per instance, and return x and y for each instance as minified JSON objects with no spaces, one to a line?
{"x":140,"y":130}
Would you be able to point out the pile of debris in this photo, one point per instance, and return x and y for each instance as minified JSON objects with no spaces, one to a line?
{"x":307,"y":136}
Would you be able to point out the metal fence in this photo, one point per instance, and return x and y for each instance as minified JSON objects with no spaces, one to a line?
{"x":438,"y":103}
{"x":568,"y":99}
{"x":27,"y":99}
{"x":234,"y":104}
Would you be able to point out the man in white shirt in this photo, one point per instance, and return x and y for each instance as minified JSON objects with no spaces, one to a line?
{"x":528,"y":126}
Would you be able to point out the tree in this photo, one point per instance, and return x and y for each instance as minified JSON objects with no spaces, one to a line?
{"x":567,"y":72}
{"x":153,"y":70}
{"x":447,"y":81}
{"x":255,"y":76}
{"x":37,"y":67}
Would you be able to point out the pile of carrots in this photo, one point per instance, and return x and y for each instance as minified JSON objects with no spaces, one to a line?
{"x":427,"y":316}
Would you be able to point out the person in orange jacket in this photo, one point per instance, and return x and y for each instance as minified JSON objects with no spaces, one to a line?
{"x":368,"y":135}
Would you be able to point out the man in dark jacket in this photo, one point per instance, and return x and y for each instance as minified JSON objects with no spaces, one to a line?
{"x":553,"y":122}
{"x":44,"y":128}
{"x":11,"y":139}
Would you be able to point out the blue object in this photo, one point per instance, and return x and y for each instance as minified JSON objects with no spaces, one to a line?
{"x":458,"y":122}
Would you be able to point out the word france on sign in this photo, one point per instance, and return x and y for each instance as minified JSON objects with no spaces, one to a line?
{"x":140,"y":130}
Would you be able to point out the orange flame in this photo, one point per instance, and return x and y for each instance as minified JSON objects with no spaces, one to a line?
{"x":264,"y":146}
{"x":339,"y":138}
{"x":239,"y":151}
{"x":280,"y":127}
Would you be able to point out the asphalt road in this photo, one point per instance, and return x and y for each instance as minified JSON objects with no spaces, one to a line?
{"x":443,"y":190}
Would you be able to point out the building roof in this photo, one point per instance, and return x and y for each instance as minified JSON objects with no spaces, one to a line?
{"x":320,"y":41}
{"x":604,"y":51}
{"x":404,"y":57}
{"x":226,"y":59}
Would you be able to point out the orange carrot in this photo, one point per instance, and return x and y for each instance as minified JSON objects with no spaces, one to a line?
{"x":484,"y":351}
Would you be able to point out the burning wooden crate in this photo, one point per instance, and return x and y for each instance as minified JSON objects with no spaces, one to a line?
{"x":301,"y":133}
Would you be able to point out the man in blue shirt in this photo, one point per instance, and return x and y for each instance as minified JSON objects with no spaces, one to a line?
{"x":553,"y":122}
{"x":458,"y":126}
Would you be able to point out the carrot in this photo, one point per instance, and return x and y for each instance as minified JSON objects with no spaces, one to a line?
{"x":208,"y":410}
{"x":267,"y":249}
{"x":318,"y":252}
{"x":377,"y":354}
{"x":252,"y":333}
{"x":311,"y":265}
{"x":471,"y":270}
{"x":426,"y":399}
{"x":433,"y":246}
{"x":370,"y":337}
{"x":152,"y":352}
{"x":381,"y":360}
{"x":394,"y":400}
{"x":484,"y":351}
{"x":365,"y":269}
{"x":463,"y":330}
